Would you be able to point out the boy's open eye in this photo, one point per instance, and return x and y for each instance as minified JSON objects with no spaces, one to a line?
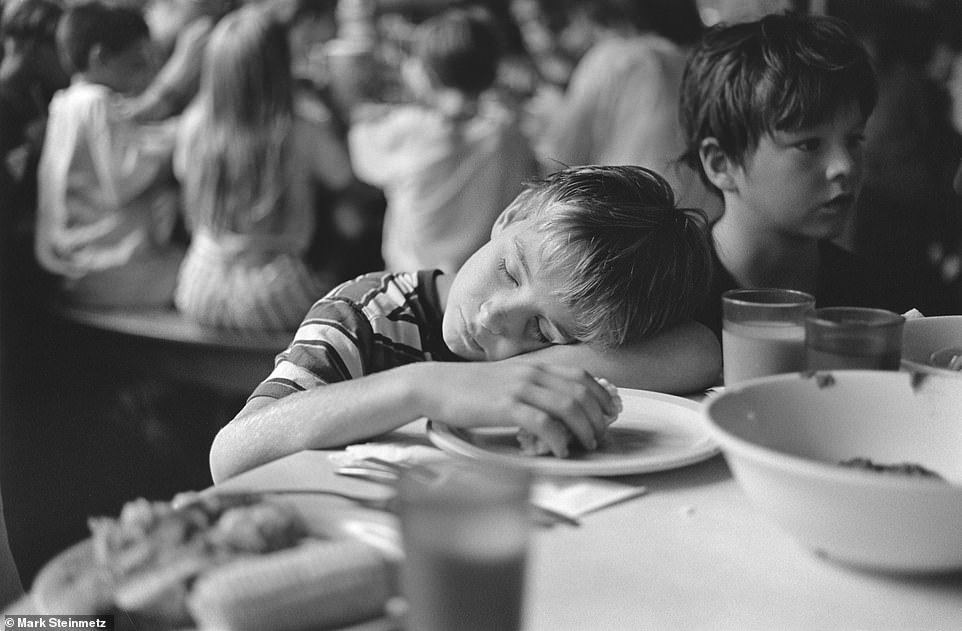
{"x":503,"y":267}
{"x":808,"y":144}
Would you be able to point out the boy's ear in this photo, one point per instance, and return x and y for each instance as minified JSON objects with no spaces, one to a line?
{"x":718,"y":166}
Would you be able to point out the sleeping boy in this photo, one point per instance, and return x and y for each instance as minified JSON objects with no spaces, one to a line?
{"x":591,"y":272}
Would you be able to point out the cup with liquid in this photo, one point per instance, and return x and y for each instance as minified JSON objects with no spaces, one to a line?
{"x":853,"y":337}
{"x":763,"y":332}
{"x":465,"y":535}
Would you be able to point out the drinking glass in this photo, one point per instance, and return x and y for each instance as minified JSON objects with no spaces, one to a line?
{"x":465,"y":534}
{"x":853,"y":337}
{"x":763,"y":332}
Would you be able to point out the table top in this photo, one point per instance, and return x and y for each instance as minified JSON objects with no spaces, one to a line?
{"x":692,"y":553}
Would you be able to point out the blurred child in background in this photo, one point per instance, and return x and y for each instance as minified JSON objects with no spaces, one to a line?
{"x":251,"y":161}
{"x":451,"y":161}
{"x":108,"y":201}
{"x":621,"y":104}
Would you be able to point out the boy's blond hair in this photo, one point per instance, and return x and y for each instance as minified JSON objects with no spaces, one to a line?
{"x":632,"y":261}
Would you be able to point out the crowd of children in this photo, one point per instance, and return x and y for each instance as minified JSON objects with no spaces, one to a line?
{"x":568,"y":198}
{"x":234,"y":140}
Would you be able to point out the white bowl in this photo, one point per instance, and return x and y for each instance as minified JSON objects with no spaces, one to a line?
{"x":783,"y":437}
{"x":923,"y":336}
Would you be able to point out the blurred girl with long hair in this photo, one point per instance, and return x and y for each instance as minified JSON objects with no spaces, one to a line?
{"x":251,"y":160}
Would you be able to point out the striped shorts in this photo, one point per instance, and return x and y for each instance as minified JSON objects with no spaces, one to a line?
{"x":271,"y":293}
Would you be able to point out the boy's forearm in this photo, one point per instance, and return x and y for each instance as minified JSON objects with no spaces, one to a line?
{"x":327,"y":416}
{"x":683,"y":359}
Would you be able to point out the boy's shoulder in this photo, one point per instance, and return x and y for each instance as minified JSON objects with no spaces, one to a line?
{"x":81,"y":97}
{"x":394,"y":305}
{"x":84,"y":91}
{"x":378,"y":288}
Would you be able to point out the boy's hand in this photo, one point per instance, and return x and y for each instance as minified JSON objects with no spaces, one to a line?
{"x":540,"y":398}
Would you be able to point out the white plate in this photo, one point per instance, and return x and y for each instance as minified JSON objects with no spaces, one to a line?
{"x":654,"y":432}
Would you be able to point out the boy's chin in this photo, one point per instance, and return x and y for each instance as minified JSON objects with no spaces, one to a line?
{"x":467,"y":353}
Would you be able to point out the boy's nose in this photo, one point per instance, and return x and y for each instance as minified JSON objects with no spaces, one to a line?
{"x":843,"y":163}
{"x":500,"y":317}
{"x":492,"y":316}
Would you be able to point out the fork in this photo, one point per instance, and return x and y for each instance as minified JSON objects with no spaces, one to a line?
{"x":378,"y":470}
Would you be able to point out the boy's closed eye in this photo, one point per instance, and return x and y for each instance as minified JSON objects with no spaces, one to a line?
{"x":537,"y":332}
{"x":503,"y":268}
{"x":539,"y":329}
{"x":547,"y":332}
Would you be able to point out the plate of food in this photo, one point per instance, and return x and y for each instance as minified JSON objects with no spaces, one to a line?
{"x":217,"y":561}
{"x":654,"y":432}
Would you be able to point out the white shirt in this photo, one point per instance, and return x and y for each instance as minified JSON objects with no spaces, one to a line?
{"x":106,"y":193}
{"x":445,"y":182}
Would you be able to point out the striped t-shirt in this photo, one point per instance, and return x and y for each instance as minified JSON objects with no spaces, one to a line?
{"x":375,"y":322}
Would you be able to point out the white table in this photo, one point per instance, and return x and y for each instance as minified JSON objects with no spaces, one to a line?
{"x":690,"y":554}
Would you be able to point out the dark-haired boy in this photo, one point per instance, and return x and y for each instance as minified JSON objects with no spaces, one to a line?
{"x":774,"y":113}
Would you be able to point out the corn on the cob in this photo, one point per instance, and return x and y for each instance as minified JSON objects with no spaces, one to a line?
{"x":316,"y":585}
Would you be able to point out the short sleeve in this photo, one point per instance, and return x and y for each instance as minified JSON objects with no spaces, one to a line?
{"x":330,"y":345}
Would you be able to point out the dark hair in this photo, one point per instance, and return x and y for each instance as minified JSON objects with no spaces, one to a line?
{"x":90,"y":24}
{"x":632,"y":262}
{"x":782,"y":72}
{"x":30,"y":20}
{"x":461,"y":47}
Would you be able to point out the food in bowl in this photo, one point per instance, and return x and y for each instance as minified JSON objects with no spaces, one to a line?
{"x":784,"y":436}
{"x":901,"y":468}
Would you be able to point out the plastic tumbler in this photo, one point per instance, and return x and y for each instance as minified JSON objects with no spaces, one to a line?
{"x":853,"y":337}
{"x":763,"y":332}
{"x":465,"y":535}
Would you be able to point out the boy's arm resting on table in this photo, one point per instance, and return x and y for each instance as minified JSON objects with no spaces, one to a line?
{"x":681,"y":360}
{"x":548,"y":401}
{"x":267,"y":429}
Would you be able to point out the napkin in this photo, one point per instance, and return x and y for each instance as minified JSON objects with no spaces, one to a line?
{"x":570,"y":496}
{"x":577,"y":496}
{"x":401,"y":451}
